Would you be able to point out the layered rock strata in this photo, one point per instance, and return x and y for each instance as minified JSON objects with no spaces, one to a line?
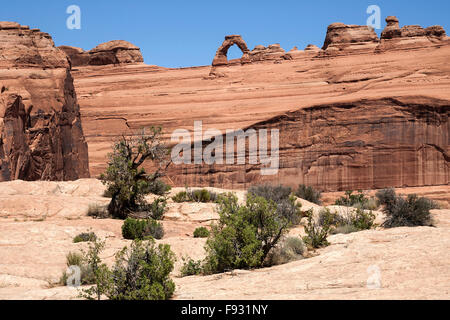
{"x":343,"y":145}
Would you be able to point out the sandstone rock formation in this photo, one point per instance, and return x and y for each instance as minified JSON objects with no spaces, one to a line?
{"x":359,"y":119}
{"x":408,"y":37}
{"x":41,"y":136}
{"x":392,"y":29}
{"x":312,"y":48}
{"x":296,"y":53}
{"x":77,"y":56}
{"x":349,"y":37}
{"x":412,"y":31}
{"x":272,"y":52}
{"x":221,"y":59}
{"x":112,"y":52}
{"x":436,"y":32}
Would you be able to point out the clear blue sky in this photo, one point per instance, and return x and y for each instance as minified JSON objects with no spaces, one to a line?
{"x":187,"y":33}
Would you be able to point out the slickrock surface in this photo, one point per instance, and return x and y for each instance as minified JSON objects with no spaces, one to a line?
{"x":40,"y":219}
{"x":41,"y":136}
{"x":412,"y":264}
{"x":112,"y":52}
{"x":356,"y":120}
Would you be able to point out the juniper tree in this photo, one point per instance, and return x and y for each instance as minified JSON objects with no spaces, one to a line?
{"x":126,"y":180}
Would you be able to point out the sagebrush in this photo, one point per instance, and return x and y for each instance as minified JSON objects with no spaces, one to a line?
{"x":309,"y":193}
{"x":409,"y":211}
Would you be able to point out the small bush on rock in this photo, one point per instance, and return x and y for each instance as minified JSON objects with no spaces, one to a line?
{"x":287,"y":207}
{"x":77,"y":260}
{"x":344,"y":229}
{"x":358,"y":200}
{"x":89,"y":264}
{"x":309,"y":194}
{"x":269,"y":192}
{"x":316,"y":234}
{"x":142,"y":272}
{"x":85,"y":237}
{"x":199,"y":195}
{"x":180,"y":197}
{"x":355,"y":220}
{"x":290,"y":249}
{"x":142,"y":229}
{"x":158,"y":187}
{"x":405,"y":212}
{"x":201,"y":232}
{"x":157,"y":208}
{"x":244,"y":235}
{"x":191,"y":267}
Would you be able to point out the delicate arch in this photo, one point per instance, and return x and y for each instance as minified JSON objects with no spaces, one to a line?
{"x":221,"y":54}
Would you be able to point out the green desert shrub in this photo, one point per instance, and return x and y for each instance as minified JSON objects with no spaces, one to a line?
{"x":344,"y":229}
{"x":142,"y":272}
{"x":309,"y":194}
{"x":74,"y":259}
{"x":409,"y":211}
{"x":358,"y":200}
{"x":287,"y":207}
{"x":386,"y":197}
{"x":201,"y":232}
{"x":191,"y":267}
{"x":86,"y":267}
{"x":180,"y":197}
{"x":353,"y":221}
{"x":316,"y":234}
{"x":156,"y":209}
{"x":244,"y":235}
{"x":85,"y":237}
{"x":330,"y":218}
{"x":270,"y":192}
{"x":290,"y":249}
{"x":158,"y":187}
{"x":199,"y":195}
{"x":361,"y":219}
{"x":142,"y":229}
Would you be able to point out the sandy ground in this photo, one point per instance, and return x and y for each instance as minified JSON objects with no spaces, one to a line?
{"x":38,"y":221}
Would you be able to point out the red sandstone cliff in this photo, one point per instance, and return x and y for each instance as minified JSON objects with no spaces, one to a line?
{"x":355,"y":115}
{"x":360,"y":113}
{"x":41,"y":136}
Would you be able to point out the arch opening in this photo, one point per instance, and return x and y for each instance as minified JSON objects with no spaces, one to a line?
{"x":221,"y":57}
